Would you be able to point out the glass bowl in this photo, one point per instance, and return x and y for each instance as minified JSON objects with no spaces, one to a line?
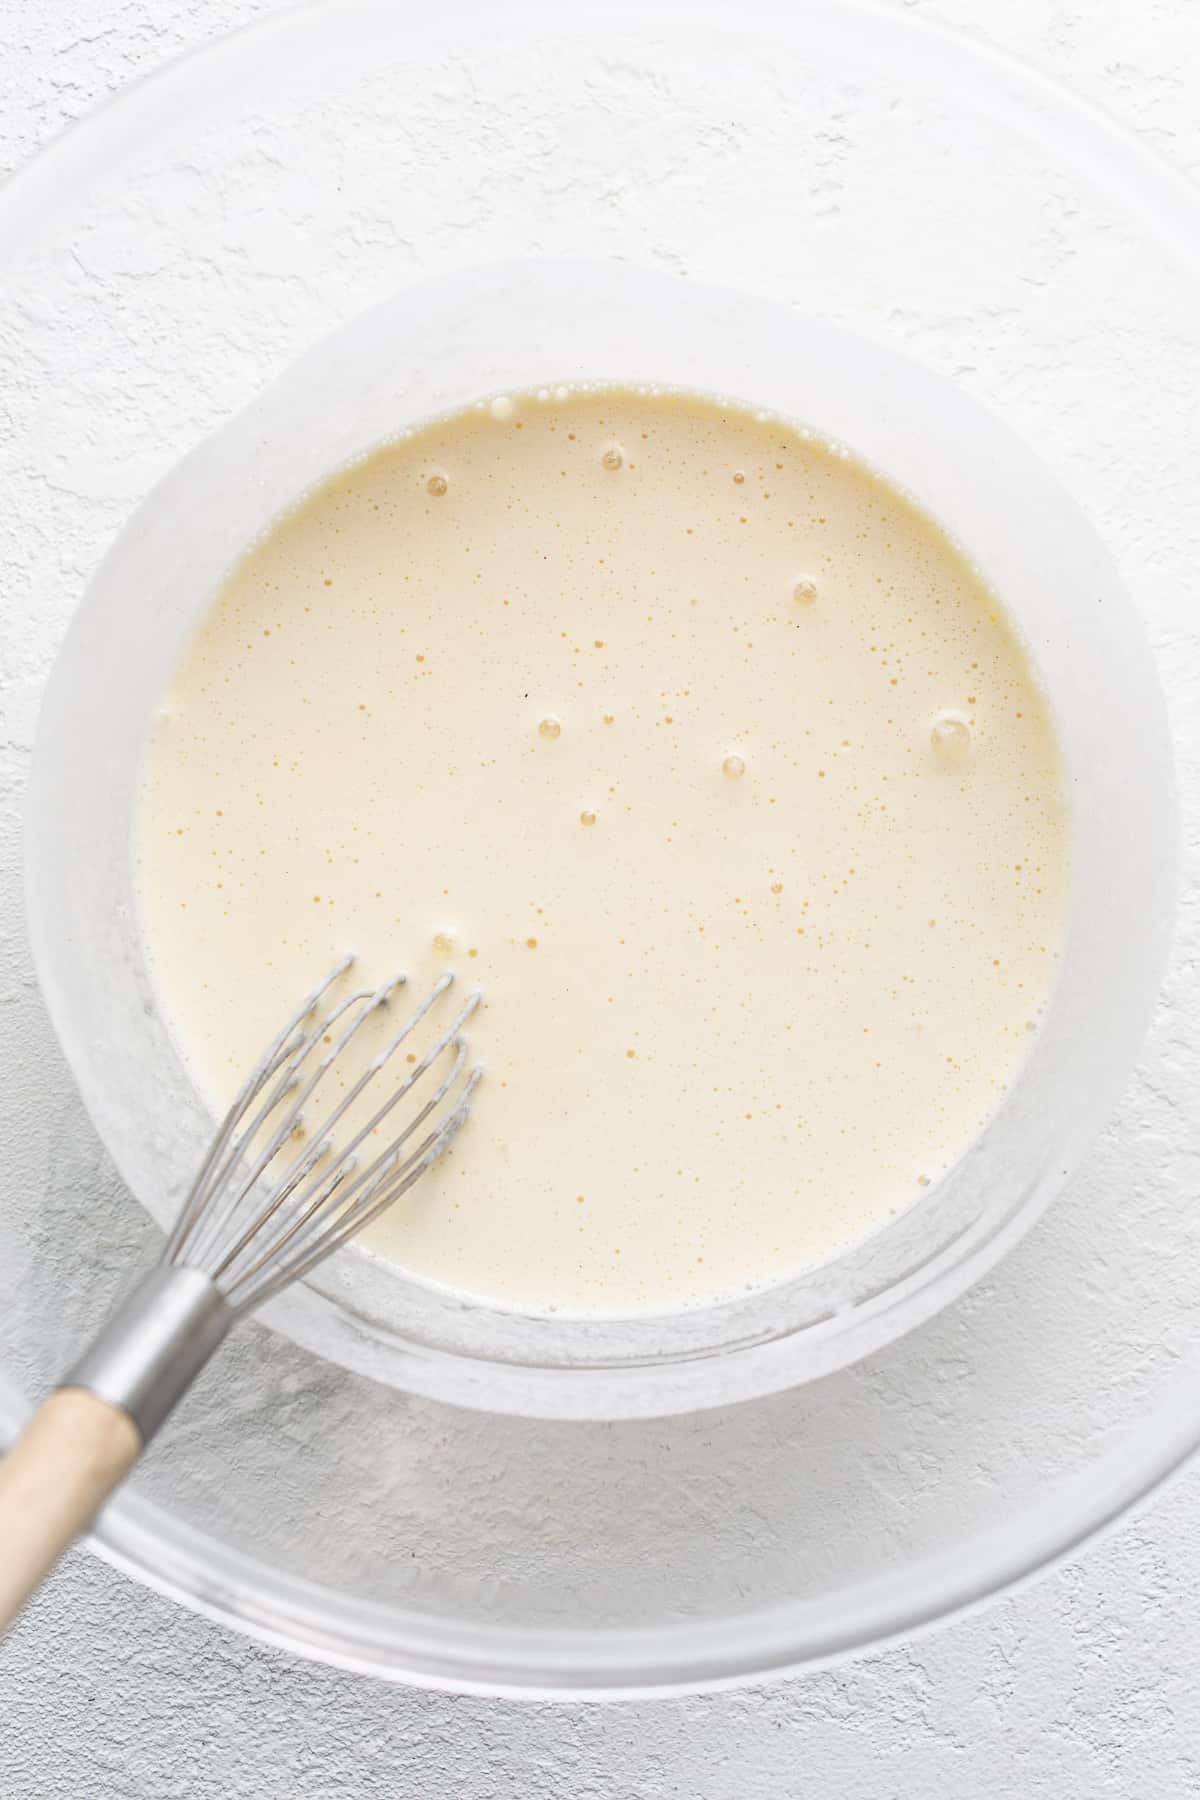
{"x":1023,"y":276}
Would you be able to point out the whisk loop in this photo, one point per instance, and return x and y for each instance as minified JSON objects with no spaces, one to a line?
{"x":282,"y":1185}
{"x":276,"y":1195}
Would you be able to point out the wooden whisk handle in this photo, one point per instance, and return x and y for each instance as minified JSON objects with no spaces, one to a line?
{"x":75,"y":1450}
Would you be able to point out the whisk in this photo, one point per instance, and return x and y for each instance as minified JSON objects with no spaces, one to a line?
{"x":273,"y":1197}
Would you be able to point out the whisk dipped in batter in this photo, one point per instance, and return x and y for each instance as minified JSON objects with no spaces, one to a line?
{"x":305,"y":1157}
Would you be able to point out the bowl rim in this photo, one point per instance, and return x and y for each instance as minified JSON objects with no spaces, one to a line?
{"x":645,"y":1662}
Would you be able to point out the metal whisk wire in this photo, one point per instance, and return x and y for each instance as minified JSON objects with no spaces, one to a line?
{"x":256,"y":1217}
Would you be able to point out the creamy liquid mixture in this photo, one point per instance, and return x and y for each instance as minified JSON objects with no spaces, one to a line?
{"x":702,"y":752}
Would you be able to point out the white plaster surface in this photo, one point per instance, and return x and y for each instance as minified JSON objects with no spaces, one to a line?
{"x":1082,"y":1684}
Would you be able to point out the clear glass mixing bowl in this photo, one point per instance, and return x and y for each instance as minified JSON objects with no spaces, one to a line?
{"x":990,"y":248}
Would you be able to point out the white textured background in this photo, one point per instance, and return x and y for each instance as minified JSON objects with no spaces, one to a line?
{"x":1083,"y":1685}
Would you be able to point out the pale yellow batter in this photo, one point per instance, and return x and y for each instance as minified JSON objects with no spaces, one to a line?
{"x":702,"y":752}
